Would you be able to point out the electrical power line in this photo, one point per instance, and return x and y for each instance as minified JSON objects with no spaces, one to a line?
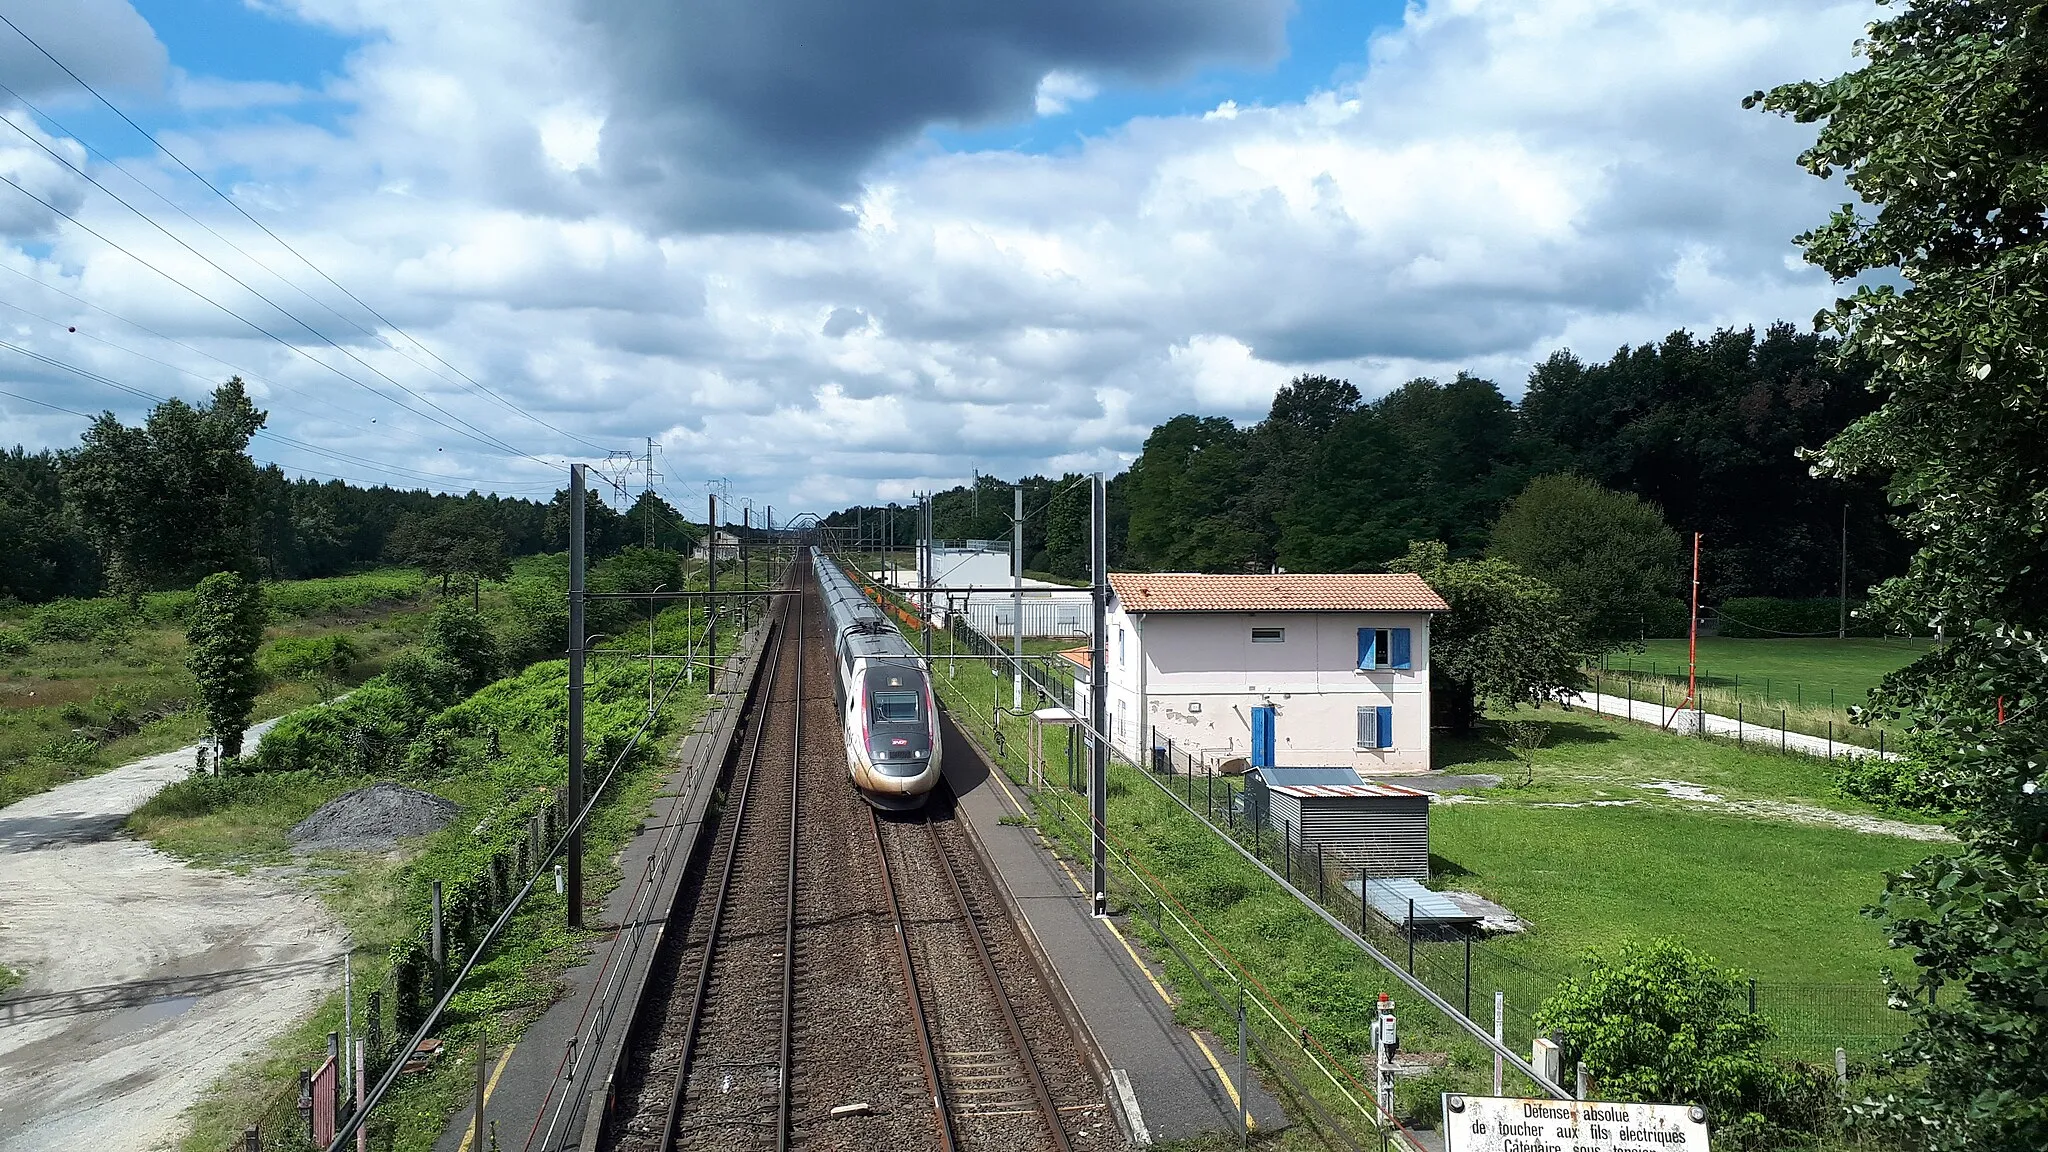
{"x":232,"y":203}
{"x":489,"y":439}
{"x":109,"y":382}
{"x":245,"y":374}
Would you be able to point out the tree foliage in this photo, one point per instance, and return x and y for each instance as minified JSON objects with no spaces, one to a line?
{"x":1941,"y":131}
{"x":459,"y":539}
{"x":1710,"y":431}
{"x":457,"y":636}
{"x":1661,"y":1023}
{"x":1506,"y":641}
{"x":174,"y":499}
{"x":224,"y":632}
{"x":1609,"y":553}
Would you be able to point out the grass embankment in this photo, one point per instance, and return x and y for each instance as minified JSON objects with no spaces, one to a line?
{"x":1807,"y":683}
{"x":86,"y":685}
{"x":382,"y":898}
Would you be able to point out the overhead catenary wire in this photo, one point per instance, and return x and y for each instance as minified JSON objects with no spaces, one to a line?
{"x":281,"y":242}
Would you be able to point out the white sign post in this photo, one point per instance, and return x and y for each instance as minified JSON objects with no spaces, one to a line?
{"x":1520,"y":1124}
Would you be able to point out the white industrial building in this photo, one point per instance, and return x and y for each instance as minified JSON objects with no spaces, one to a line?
{"x":1050,"y":610}
{"x":1293,"y":670}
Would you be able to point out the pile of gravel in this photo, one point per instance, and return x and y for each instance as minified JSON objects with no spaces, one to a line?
{"x":372,"y":819}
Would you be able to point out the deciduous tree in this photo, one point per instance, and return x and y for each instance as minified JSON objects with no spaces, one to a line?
{"x":1506,"y":641}
{"x":1941,"y":133}
{"x":1609,"y":553}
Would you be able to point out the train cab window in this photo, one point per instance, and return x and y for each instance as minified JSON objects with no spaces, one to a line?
{"x":896,"y":708}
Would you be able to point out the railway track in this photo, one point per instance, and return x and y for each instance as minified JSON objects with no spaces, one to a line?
{"x":966,"y":974}
{"x":844,"y":981}
{"x":717,"y":1075}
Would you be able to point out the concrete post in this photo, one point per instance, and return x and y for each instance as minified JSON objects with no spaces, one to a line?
{"x":440,"y":942}
{"x":1500,"y":1012}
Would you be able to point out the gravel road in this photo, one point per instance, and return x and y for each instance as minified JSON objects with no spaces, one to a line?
{"x":146,"y":979}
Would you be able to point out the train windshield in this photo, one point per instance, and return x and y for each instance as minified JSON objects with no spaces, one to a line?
{"x":897,"y":708}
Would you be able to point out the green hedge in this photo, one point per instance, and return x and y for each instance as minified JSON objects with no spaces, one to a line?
{"x":1765,"y":618}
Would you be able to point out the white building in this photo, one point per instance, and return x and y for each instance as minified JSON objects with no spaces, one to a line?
{"x":1284,"y":670}
{"x":1049,"y":609}
{"x":728,"y":546}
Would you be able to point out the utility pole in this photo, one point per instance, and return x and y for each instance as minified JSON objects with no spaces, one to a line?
{"x":1842,"y":622}
{"x":575,"y":805}
{"x":1098,"y":690}
{"x":924,"y":571}
{"x":647,"y":522}
{"x":711,"y":601}
{"x":1017,"y":600}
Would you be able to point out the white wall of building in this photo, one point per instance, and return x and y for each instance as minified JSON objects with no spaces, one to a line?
{"x":1194,"y":677}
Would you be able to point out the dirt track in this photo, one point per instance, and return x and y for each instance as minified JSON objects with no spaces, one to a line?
{"x":146,"y":979}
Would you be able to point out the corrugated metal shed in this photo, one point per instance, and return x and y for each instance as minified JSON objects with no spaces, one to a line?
{"x":1378,"y":828}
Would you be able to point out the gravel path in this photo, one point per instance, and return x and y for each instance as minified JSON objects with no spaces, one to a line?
{"x":146,"y":979}
{"x":1650,"y":712}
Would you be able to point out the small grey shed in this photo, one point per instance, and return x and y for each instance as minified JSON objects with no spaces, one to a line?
{"x":1380,"y":828}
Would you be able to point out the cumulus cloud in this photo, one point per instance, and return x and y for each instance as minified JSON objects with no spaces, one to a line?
{"x":631,"y":226}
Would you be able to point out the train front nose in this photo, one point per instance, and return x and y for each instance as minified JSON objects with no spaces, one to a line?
{"x":907,"y":751}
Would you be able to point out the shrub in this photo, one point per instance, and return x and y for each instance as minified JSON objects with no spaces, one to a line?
{"x":80,"y":620}
{"x":1904,"y":784}
{"x":13,"y":642}
{"x":1661,"y":1022}
{"x":457,"y":637}
{"x":308,"y":657}
{"x":1766,"y":618}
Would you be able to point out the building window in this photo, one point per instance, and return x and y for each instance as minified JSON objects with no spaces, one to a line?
{"x":1376,"y":727}
{"x":1269,"y":635}
{"x":1383,"y":648}
{"x":1122,"y":721}
{"x":1119,"y":647}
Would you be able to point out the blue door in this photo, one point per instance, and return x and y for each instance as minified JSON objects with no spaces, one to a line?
{"x":1262,"y":738}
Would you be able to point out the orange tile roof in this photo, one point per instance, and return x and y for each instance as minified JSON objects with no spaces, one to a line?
{"x":1079,"y":656}
{"x":1282,"y":592}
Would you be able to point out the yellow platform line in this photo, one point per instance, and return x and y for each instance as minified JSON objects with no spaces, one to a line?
{"x":469,"y":1130}
{"x":1229,"y":1086}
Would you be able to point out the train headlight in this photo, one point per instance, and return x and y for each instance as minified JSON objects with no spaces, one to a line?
{"x":922,"y":753}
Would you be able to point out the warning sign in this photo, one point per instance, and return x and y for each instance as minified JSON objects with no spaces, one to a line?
{"x":1510,"y":1124}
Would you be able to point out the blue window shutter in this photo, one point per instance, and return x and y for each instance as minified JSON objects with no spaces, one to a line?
{"x":1386,"y":727}
{"x":1400,"y":645}
{"x":1365,"y":654}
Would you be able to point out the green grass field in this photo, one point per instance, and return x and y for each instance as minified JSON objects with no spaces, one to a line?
{"x":87,"y":685}
{"x":1802,"y":670}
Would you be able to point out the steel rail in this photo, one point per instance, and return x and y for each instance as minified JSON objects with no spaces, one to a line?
{"x":673,"y":1116}
{"x":1026,"y":1059}
{"x":796,"y":760}
{"x":926,"y":1049}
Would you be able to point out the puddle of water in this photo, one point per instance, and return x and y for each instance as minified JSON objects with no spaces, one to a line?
{"x":143,"y":1015}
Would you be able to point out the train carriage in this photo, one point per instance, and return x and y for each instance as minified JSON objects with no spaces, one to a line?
{"x":887,"y":715}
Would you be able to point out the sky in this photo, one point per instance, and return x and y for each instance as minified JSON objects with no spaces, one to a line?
{"x":836,"y":251}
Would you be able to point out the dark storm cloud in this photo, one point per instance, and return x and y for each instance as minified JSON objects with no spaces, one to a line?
{"x":761,"y":114}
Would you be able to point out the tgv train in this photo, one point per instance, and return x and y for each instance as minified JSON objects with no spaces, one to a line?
{"x":884,"y":694}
